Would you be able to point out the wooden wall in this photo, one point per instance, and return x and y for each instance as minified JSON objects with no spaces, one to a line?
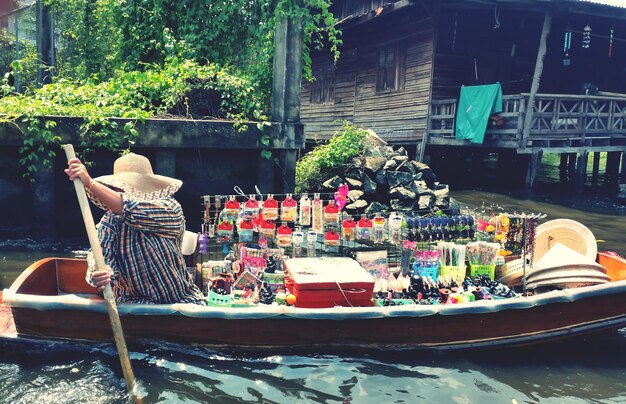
{"x":398,"y":116}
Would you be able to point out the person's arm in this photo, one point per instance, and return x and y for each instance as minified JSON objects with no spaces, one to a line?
{"x":111,"y":199}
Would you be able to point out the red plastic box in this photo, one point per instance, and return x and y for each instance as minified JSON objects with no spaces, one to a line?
{"x":328,"y":282}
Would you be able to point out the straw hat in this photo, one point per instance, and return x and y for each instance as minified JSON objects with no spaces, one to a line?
{"x":567,"y":282}
{"x":562,"y":256}
{"x":568,"y":232}
{"x":133,"y":175}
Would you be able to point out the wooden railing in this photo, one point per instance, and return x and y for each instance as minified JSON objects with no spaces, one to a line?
{"x":555,"y":117}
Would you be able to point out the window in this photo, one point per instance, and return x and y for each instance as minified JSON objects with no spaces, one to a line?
{"x":390,"y":72}
{"x":323,"y":88}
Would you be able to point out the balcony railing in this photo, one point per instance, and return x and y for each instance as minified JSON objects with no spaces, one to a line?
{"x":558,"y":120}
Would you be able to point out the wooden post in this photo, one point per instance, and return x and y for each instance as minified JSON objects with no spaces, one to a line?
{"x":571,"y":167}
{"x":581,"y":171}
{"x":563,"y":168}
{"x":533,"y":170}
{"x":595,"y":170}
{"x":611,"y":175}
{"x":623,"y":172}
{"x":45,"y":49}
{"x":288,"y":47}
{"x":541,"y":53}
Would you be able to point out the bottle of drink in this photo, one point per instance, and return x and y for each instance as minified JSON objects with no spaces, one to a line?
{"x":311,"y":240}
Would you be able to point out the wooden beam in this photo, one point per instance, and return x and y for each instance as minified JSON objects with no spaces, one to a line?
{"x":533,"y":170}
{"x":595,"y":170}
{"x":611,"y":175}
{"x":541,"y":53}
{"x":581,"y":171}
{"x":623,"y":172}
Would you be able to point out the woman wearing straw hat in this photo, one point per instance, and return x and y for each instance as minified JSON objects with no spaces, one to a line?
{"x":141,"y":233}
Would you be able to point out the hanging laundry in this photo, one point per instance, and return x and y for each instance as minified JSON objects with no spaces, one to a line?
{"x":476,"y":103}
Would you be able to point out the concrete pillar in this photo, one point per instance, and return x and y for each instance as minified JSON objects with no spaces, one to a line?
{"x":43,"y":200}
{"x":165,"y":162}
{"x":287,"y":82}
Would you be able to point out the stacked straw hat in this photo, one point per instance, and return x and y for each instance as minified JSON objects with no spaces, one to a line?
{"x":567,"y":232}
{"x":564,"y":267}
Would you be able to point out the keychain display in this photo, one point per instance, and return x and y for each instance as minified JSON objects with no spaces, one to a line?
{"x":348,"y":229}
{"x":289,"y":209}
{"x":331,"y":241}
{"x":304,"y":216}
{"x":231,"y":208}
{"x":317,"y":220}
{"x":331,"y":213}
{"x":245,"y":230}
{"x":297,"y":239}
{"x":395,"y":228}
{"x":267,"y":229}
{"x":378,"y":228}
{"x":283,"y":235}
{"x":270,"y":208}
{"x":364,"y":228}
{"x":311,"y":241}
{"x":251,"y":208}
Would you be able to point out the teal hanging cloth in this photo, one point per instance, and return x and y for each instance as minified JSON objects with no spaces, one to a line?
{"x":476,"y":103}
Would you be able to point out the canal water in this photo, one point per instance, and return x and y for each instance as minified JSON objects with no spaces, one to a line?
{"x":582,"y":370}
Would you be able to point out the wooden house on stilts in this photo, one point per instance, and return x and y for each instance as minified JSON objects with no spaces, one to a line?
{"x":561,"y":66}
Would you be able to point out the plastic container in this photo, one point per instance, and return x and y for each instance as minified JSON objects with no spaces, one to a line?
{"x":456,"y":271}
{"x":215,"y":299}
{"x":489,"y":270}
{"x":425,"y":269}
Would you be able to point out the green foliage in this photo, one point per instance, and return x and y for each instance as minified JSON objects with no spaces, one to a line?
{"x":142,"y":58}
{"x":132,"y":95}
{"x":100,"y":36}
{"x":316,"y":166}
{"x":23,"y":69}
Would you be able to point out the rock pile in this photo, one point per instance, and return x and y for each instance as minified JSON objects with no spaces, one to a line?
{"x":385,"y":179}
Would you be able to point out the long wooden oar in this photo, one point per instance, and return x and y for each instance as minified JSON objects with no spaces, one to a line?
{"x":96,"y":249}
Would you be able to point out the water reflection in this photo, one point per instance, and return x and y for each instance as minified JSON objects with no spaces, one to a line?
{"x":582,"y":370}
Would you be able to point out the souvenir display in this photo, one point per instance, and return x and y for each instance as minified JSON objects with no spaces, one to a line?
{"x":419,"y":259}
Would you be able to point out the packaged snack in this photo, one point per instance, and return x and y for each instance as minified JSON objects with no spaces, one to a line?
{"x":289,"y":209}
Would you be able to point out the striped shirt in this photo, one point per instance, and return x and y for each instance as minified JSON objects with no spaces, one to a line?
{"x":143,"y":247}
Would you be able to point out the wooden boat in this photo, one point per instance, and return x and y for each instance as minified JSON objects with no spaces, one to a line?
{"x":50,"y":300}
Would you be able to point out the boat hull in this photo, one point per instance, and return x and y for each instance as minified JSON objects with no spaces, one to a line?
{"x":517,"y":321}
